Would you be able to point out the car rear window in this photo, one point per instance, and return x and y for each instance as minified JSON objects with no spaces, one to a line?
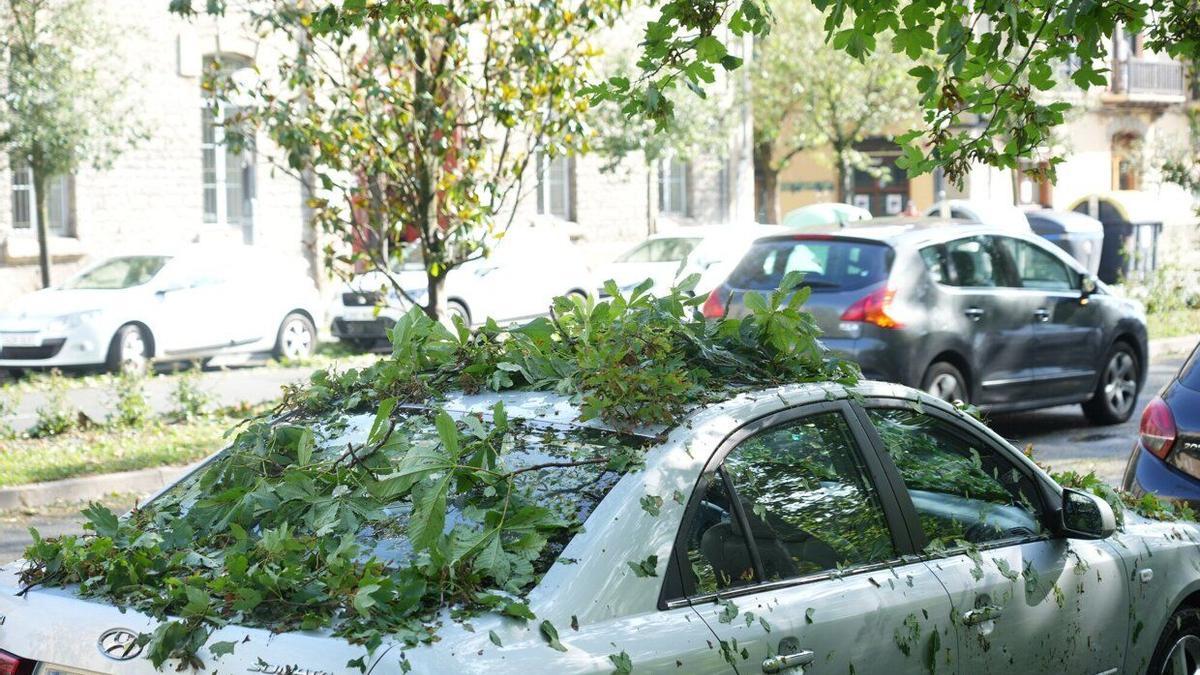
{"x":835,"y":264}
{"x":1189,"y":375}
{"x":571,"y":493}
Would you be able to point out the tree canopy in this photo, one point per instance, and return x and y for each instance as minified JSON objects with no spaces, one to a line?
{"x":986,"y":65}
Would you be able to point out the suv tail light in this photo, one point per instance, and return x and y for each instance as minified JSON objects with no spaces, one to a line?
{"x":10,"y":664}
{"x":714,"y":306}
{"x":1157,"y":431}
{"x":873,"y":308}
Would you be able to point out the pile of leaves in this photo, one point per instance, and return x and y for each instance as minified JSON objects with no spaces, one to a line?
{"x":281,"y":530}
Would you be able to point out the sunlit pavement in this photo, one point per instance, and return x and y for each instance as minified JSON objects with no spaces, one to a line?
{"x":1063,"y":438}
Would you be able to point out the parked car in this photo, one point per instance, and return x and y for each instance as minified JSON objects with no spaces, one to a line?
{"x":1166,"y":457}
{"x":803,"y":527}
{"x":987,"y":213}
{"x":659,"y":258}
{"x":714,"y":257}
{"x":127,"y":311}
{"x":825,"y":213}
{"x":988,"y":315}
{"x":525,"y":270}
{"x":1080,"y":235}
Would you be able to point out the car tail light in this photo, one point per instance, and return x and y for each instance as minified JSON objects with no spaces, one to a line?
{"x":1157,"y":431}
{"x":714,"y":306}
{"x":873,"y":308}
{"x":11,"y":664}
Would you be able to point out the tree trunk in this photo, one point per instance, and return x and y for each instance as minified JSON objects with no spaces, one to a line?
{"x":845,"y":176}
{"x":434,"y":304}
{"x":43,"y":222}
{"x":766,"y":184}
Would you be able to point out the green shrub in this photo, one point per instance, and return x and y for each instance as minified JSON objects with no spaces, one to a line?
{"x":56,"y":415}
{"x":130,"y":406}
{"x":189,"y":399}
{"x":9,"y":401}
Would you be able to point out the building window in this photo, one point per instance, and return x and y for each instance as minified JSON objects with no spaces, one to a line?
{"x":59,"y":198}
{"x":228,"y":173}
{"x":1126,"y":164}
{"x":674,"y":187}
{"x":882,"y":187}
{"x":555,"y":189}
{"x":1032,"y":186}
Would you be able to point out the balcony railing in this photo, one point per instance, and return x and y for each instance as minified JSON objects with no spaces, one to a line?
{"x":1141,"y":77}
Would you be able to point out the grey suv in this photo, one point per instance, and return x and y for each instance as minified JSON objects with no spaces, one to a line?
{"x":991,"y":316}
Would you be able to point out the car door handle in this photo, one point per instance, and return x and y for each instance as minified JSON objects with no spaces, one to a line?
{"x":976,"y":616}
{"x":974,"y":313}
{"x":1042,"y":315}
{"x":777,"y":664}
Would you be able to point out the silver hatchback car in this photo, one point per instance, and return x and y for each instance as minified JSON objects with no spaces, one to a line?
{"x":992,"y":316}
{"x":805,"y":528}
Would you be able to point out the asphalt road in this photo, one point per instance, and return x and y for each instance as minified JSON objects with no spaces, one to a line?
{"x":1061,"y":437}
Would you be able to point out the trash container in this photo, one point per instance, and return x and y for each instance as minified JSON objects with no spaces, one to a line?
{"x":1081,"y":236}
{"x":1132,"y":226}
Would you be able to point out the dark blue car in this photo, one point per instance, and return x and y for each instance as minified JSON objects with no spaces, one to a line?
{"x":1166,"y":460}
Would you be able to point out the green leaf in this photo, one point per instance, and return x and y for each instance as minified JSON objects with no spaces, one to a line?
{"x":304,"y":448}
{"x":645,"y":568}
{"x":651,"y":504}
{"x":219,"y":649}
{"x":710,"y":49}
{"x":101,"y":520}
{"x":551,"y":634}
{"x":729,"y":611}
{"x":382,"y":422}
{"x":622,"y":664}
{"x":518,"y":610}
{"x":447,"y":432}
{"x":428,"y":517}
{"x":808,"y":615}
{"x":494,"y":638}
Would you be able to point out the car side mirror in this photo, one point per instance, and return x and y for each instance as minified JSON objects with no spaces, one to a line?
{"x":1086,"y":516}
{"x":1087,"y":285}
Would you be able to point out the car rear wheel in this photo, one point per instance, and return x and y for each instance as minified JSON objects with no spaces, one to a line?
{"x":297,"y":338}
{"x":455,"y":308}
{"x":944,"y":381}
{"x":1178,"y":650}
{"x":1117,"y":389}
{"x":129,"y":351}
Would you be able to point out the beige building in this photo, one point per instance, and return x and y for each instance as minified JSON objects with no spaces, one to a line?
{"x":183,"y":185}
{"x":1113,"y":140}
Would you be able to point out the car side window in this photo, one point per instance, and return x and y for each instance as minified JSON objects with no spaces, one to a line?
{"x":935,"y":261}
{"x":1038,"y":268}
{"x":807,"y":501}
{"x":975,"y":263}
{"x":718,"y":556}
{"x":962,"y":489}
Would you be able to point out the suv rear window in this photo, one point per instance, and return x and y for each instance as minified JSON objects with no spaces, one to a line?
{"x":835,"y":264}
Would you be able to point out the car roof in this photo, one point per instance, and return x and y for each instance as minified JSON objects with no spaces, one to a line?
{"x":904,"y":231}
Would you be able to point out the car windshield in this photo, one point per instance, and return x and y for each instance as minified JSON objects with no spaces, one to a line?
{"x":839,"y":264}
{"x":571,"y":493}
{"x":119,"y":273}
{"x":671,"y":249}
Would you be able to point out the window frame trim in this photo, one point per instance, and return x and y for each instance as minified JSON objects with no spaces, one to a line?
{"x":958,"y":428}
{"x":671,"y":591}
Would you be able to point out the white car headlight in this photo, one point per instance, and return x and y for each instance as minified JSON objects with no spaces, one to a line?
{"x":72,"y":320}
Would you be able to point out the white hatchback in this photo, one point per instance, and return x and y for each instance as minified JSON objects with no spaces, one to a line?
{"x":196,"y":303}
{"x":799,"y":529}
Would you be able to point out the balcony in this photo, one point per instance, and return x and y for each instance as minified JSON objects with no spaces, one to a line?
{"x":1149,"y":82}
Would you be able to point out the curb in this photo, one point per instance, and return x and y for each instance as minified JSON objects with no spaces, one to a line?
{"x":1175,"y":345}
{"x":90,"y":487}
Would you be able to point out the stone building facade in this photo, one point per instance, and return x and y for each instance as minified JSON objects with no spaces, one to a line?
{"x":182,"y":185}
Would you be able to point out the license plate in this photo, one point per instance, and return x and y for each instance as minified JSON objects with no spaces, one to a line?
{"x":359,"y":314}
{"x":20,"y":340}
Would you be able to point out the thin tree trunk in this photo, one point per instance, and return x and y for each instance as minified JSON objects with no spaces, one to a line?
{"x":845,"y":186}
{"x":766,"y":184}
{"x":43,"y":223}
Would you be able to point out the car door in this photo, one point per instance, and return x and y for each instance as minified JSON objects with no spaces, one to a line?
{"x":793,"y":554}
{"x":1067,"y":328}
{"x":190,"y":310}
{"x":999,"y":331}
{"x":1025,"y":600}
